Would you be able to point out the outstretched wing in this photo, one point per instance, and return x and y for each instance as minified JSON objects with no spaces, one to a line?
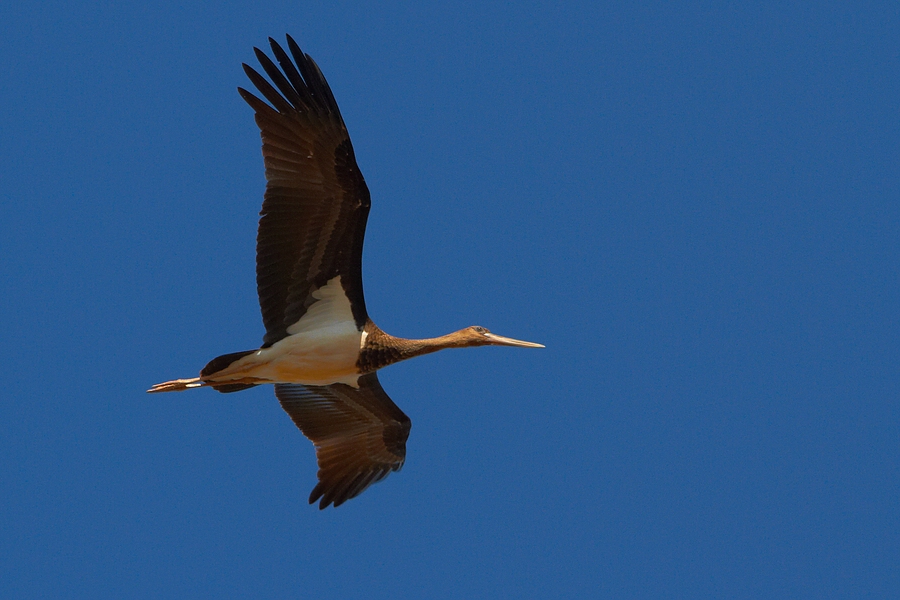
{"x":313,"y":218}
{"x":359,"y":434}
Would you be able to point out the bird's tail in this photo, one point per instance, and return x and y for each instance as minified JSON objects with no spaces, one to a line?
{"x":212,"y":367}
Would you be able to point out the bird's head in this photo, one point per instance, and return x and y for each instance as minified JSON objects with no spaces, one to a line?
{"x":480,"y":336}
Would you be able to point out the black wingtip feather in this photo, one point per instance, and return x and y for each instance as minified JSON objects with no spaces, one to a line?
{"x":312,"y":76}
{"x":266,"y":89}
{"x":286,"y":88}
{"x":315,"y":494}
{"x":293,"y":47}
{"x":362,"y":483}
{"x":326,"y":89}
{"x":291,"y":72}
{"x":345,"y":491}
{"x":300,"y":83}
{"x":255,"y":103}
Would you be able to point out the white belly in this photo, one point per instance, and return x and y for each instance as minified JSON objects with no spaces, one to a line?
{"x":320,"y":357}
{"x":321,"y":348}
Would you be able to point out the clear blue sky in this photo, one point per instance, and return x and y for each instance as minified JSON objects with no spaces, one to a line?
{"x":695,"y":207}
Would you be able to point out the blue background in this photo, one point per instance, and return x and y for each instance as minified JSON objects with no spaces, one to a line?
{"x":695,"y":207}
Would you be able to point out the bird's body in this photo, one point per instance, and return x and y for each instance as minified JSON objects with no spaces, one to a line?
{"x":320,"y":349}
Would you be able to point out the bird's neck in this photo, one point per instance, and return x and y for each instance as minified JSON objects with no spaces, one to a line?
{"x":380,"y":349}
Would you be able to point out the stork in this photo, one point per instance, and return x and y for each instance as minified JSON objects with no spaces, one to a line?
{"x":320,"y":350}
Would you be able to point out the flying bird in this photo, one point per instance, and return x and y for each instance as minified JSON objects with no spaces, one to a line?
{"x":320,"y":349}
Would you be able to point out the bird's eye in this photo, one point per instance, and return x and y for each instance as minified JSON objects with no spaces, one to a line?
{"x":480,"y":329}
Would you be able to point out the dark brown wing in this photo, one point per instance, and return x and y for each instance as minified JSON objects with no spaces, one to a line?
{"x":360,"y":434}
{"x":316,"y":204}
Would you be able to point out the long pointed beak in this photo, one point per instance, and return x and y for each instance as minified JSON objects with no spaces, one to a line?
{"x":505,"y":341}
